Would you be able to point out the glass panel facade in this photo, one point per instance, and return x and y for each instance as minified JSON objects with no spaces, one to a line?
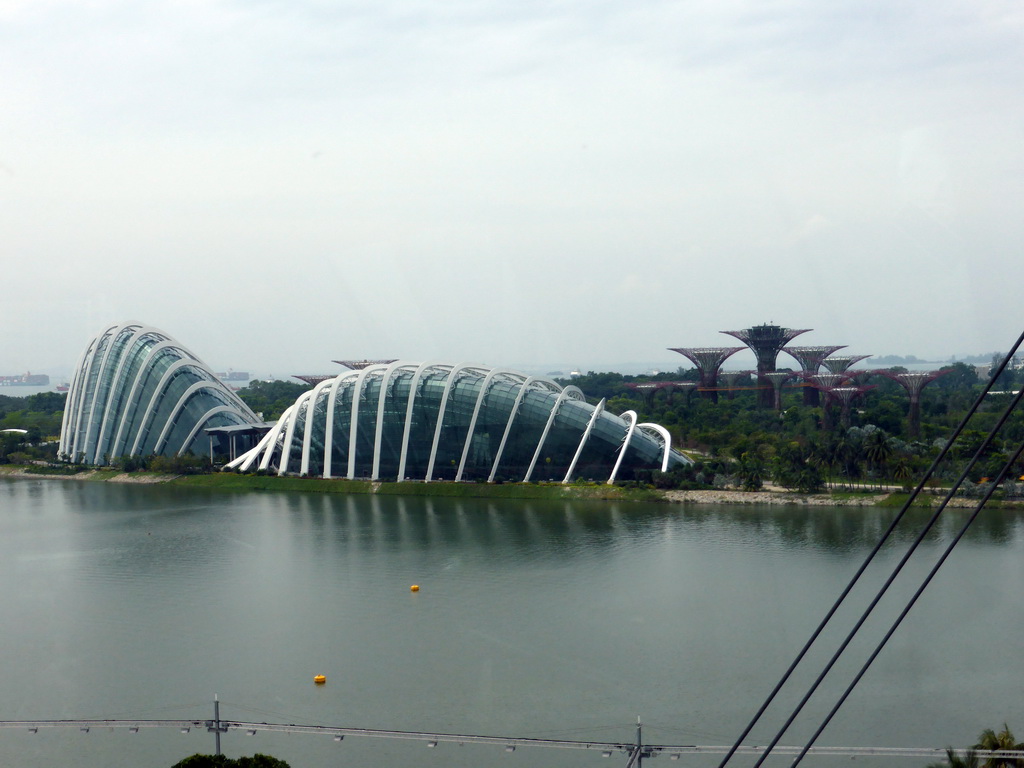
{"x":497,"y":413}
{"x":135,"y":384}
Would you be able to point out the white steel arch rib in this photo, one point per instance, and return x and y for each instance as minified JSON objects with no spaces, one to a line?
{"x":583,"y":440}
{"x":137,"y":337}
{"x":476,"y":412}
{"x":178,"y":407}
{"x":245,"y":460}
{"x":139,"y":382}
{"x":89,"y":427}
{"x":453,"y":378}
{"x":353,"y":430}
{"x":413,"y":388}
{"x":199,"y":425}
{"x":91,"y":355}
{"x":70,"y":410}
{"x":82,"y":378}
{"x":274,"y":435}
{"x":378,"y":438}
{"x":568,"y":392}
{"x":156,"y":398}
{"x":666,"y":439}
{"x":112,"y":387}
{"x":625,"y":444}
{"x":286,"y":449}
{"x":307,"y":432}
{"x":246,"y":455}
{"x":550,"y":384}
{"x":329,"y":421}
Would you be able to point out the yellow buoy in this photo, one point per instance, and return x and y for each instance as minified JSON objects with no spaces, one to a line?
{"x":320,"y":679}
{"x":414,"y":588}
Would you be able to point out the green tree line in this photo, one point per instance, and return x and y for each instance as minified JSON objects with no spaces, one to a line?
{"x":735,"y":442}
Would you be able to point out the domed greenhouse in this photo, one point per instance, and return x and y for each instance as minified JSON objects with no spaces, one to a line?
{"x":447,"y":421}
{"x":138,"y":392}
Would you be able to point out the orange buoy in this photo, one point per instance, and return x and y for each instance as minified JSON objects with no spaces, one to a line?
{"x":320,"y":679}
{"x":414,"y":588}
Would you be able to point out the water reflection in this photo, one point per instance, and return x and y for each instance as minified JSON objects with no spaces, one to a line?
{"x":534,"y":616}
{"x":381,"y":523}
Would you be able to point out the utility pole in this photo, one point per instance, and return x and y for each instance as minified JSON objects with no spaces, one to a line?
{"x":214,"y":725}
{"x":639,"y":743}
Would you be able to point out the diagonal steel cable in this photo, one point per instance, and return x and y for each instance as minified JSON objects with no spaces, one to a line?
{"x":892,"y":576}
{"x":871,"y":555}
{"x":910,"y":604}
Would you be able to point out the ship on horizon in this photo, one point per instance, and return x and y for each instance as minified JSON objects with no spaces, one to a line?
{"x":27,"y":379}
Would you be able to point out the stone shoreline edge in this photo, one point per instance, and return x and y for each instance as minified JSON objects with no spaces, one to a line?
{"x":552,"y":491}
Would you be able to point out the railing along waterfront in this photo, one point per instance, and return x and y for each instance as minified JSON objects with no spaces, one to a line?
{"x":634,"y":752}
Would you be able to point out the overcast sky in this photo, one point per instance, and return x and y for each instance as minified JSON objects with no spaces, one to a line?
{"x":280,"y":183}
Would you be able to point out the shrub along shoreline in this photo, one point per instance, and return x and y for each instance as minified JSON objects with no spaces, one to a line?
{"x":231,"y":482}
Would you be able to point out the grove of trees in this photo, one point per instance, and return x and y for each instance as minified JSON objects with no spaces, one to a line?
{"x":737,"y":443}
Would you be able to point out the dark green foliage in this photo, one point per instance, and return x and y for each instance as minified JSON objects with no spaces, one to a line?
{"x":220,"y":761}
{"x":271,"y":397}
{"x":989,"y":741}
{"x":754,"y":444}
{"x":39,"y":414}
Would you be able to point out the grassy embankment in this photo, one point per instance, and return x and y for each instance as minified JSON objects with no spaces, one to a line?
{"x":551,"y":491}
{"x":554,"y":491}
{"x":235,"y":482}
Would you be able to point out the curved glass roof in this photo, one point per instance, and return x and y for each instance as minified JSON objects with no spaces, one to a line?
{"x":136,"y":391}
{"x":448,"y":421}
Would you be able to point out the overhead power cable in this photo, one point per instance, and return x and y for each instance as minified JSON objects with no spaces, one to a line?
{"x":896,"y":571}
{"x":871,"y":555}
{"x":920,"y":590}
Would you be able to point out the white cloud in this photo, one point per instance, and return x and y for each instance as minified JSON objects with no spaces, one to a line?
{"x":484,"y":180}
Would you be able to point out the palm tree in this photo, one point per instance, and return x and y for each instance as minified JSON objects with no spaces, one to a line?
{"x":878,"y":450}
{"x":993,"y":742}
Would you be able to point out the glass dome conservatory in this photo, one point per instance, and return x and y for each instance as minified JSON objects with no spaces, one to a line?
{"x":443,"y":421}
{"x":138,"y":392}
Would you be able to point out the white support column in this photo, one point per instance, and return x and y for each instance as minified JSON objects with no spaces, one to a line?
{"x":133,"y":407}
{"x":70,"y":406}
{"x":378,"y":437}
{"x":245,"y":460}
{"x":666,"y":439}
{"x":625,"y":444}
{"x":476,"y":412}
{"x":413,"y":387}
{"x":78,"y":447}
{"x":199,"y":425}
{"x":568,"y":392}
{"x":154,"y":401}
{"x":353,"y":431}
{"x":583,"y":440}
{"x":116,"y":387}
{"x":90,"y":427}
{"x":332,"y":400}
{"x":286,"y":448}
{"x":452,"y":380}
{"x":275,"y":434}
{"x":530,"y":382}
{"x":307,"y":432}
{"x":165,"y":433}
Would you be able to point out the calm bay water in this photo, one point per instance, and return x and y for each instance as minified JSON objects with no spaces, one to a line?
{"x":534,"y":619}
